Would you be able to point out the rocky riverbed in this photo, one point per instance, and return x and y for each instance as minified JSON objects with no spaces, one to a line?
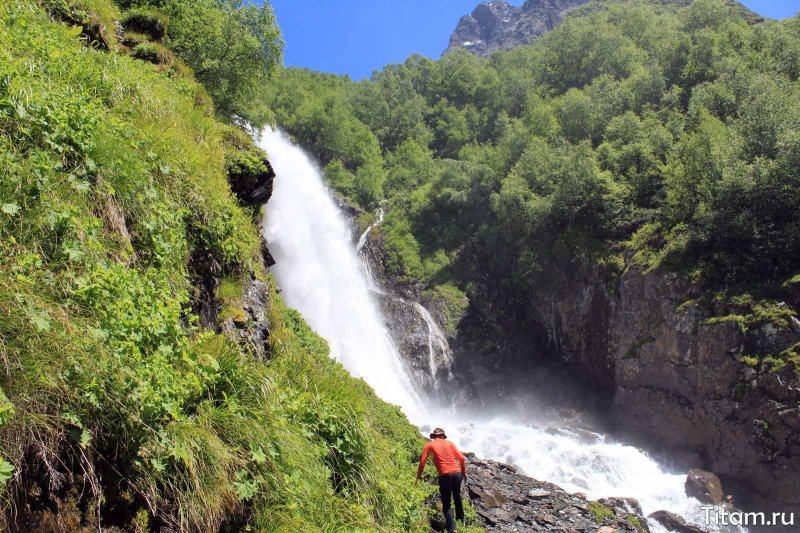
{"x":507,"y":501}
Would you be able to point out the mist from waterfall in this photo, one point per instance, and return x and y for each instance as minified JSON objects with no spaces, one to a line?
{"x":319,"y":273}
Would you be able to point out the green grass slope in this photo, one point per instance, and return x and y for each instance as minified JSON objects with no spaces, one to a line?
{"x":117,"y":409}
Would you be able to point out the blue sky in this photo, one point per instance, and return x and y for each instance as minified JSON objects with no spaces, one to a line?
{"x":356,"y":37}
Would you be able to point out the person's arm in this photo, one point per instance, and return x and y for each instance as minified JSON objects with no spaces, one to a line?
{"x":424,"y":459}
{"x":462,"y":461}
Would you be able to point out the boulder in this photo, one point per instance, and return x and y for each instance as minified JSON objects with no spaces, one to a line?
{"x":675,"y":523}
{"x":704,"y":486}
{"x":251,"y":177}
{"x":249,"y":172}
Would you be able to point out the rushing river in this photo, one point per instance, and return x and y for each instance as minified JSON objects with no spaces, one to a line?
{"x":320,"y":274}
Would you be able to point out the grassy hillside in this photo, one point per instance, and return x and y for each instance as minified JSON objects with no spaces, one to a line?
{"x":633,"y":133}
{"x":117,"y":408}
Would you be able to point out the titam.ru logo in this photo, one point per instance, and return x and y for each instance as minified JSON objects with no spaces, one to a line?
{"x":715,"y":516}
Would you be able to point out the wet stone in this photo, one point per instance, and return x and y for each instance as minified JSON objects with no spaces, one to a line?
{"x":505,"y":500}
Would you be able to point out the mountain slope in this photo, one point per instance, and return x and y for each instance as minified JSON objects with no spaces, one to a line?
{"x":498,"y":25}
{"x":152,"y":379}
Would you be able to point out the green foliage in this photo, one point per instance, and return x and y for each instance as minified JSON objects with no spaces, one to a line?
{"x":666,"y":130}
{"x":146,"y":21}
{"x":600,"y":511}
{"x":368,"y":445}
{"x":634,"y":521}
{"x":792,"y":355}
{"x":234,"y":48}
{"x":152,"y":53}
{"x":749,"y":360}
{"x":229,"y":295}
{"x":114,"y":200}
{"x":6,"y":471}
{"x":451,"y":301}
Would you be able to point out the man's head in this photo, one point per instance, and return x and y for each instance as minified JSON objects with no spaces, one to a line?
{"x":438,"y":433}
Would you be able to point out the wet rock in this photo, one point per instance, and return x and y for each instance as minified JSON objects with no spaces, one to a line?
{"x":251,"y":176}
{"x":506,"y":500}
{"x":704,"y":486}
{"x":630,"y":505}
{"x":675,"y":523}
{"x":251,"y":328}
{"x":413,"y":329}
{"x":582,"y":435}
{"x":250,"y":173}
{"x":678,"y":384}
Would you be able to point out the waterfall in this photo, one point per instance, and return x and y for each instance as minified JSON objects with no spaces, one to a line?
{"x":443,"y":358}
{"x":362,"y":240}
{"x":365,"y":265}
{"x":439,"y":353}
{"x":319,"y":273}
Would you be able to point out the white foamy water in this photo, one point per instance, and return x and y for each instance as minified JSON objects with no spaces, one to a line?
{"x":439,"y":353}
{"x":584,"y":462}
{"x":320,"y":274}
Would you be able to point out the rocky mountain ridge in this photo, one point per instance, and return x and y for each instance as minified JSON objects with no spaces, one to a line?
{"x":498,"y":25}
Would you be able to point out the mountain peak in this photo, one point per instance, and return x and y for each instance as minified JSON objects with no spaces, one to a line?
{"x":498,"y":25}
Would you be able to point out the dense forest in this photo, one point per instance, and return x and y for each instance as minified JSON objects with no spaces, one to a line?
{"x":633,"y":133}
{"x":121,"y":405}
{"x":139,"y":390}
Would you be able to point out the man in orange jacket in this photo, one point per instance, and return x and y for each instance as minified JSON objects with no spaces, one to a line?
{"x":451,"y":467}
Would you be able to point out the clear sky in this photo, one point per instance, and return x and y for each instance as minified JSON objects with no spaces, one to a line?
{"x":356,"y":37}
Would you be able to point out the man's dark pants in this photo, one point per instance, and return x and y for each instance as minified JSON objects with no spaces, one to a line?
{"x":450,"y":485}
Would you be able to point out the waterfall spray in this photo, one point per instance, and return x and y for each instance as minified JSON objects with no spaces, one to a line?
{"x":319,"y":273}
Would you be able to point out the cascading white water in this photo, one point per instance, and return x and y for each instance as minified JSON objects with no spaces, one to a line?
{"x":319,"y":273}
{"x":439,"y":353}
{"x":320,"y":276}
{"x":362,"y":240}
{"x":365,"y":265}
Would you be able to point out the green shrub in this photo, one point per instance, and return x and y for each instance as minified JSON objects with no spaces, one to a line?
{"x":113,"y":192}
{"x":452,"y":304}
{"x":151,"y":52}
{"x":146,"y":21}
{"x":600,"y":511}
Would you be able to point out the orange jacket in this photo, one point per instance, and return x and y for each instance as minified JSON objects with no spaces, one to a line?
{"x":446,"y":457}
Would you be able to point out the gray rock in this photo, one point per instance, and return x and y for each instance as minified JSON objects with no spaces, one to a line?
{"x":252,"y":187}
{"x":704,"y":486}
{"x":506,"y":500}
{"x":674,"y":522}
{"x":252,"y":330}
{"x":678,"y":385}
{"x":497,"y":25}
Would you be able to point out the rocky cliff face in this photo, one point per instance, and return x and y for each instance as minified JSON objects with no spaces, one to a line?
{"x":679,"y":383}
{"x":498,"y":25}
{"x":427,"y":357}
